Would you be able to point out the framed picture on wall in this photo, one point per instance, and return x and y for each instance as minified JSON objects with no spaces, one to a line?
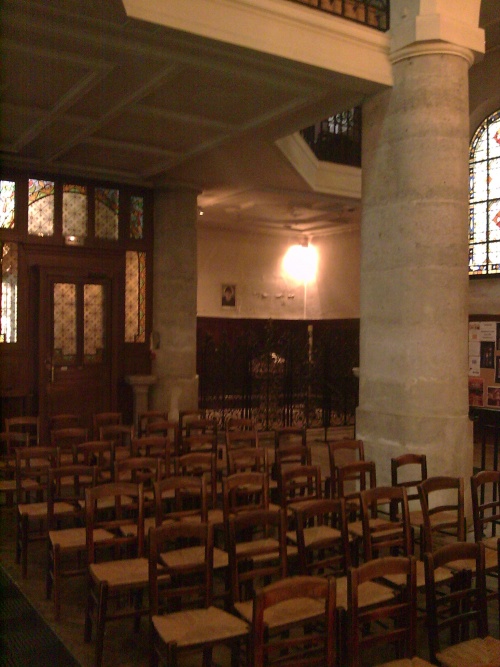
{"x":487,"y":354}
{"x":228,"y":296}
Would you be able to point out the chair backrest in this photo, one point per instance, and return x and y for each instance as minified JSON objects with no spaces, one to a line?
{"x":340,"y":453}
{"x":352,"y":478}
{"x":461,"y":603}
{"x":65,"y":438}
{"x":200,"y":464}
{"x":201,"y":425}
{"x":299,"y":484}
{"x":241,"y":439}
{"x":180,"y":496}
{"x":442,"y":502}
{"x":121,"y":434}
{"x":166,"y":428}
{"x":9,"y":440}
{"x":291,"y":456}
{"x":198,"y":442}
{"x":100,"y":453}
{"x":180,"y":565}
{"x":257,"y":551}
{"x":32,"y":472}
{"x":307,"y":643}
{"x":244,"y":492}
{"x":185,"y":416}
{"x":67,"y":484}
{"x":409,"y":470}
{"x":322,"y":538}
{"x":248,"y":459}
{"x":290,"y":435}
{"x":64,"y":420}
{"x":392,"y":535}
{"x":157,"y":446}
{"x":392,"y":621}
{"x":485,"y":492}
{"x":145,"y":469}
{"x":148,"y":417}
{"x":114,"y":507}
{"x":104,"y":419}
{"x":29,"y":425}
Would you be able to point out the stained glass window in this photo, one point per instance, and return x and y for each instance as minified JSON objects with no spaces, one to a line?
{"x":65,"y":338}
{"x":484,"y":209}
{"x":75,"y":210}
{"x":93,"y":323}
{"x":106,"y":213}
{"x":7,"y":204}
{"x":136,"y":217}
{"x":9,"y":273}
{"x":40,"y":207}
{"x":135,"y":297}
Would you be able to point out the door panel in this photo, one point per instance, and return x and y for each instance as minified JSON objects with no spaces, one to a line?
{"x":75,"y":335}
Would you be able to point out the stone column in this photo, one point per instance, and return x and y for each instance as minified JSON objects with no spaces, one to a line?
{"x":174,"y":301}
{"x":414,"y":263}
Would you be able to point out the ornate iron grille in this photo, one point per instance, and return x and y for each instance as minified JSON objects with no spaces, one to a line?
{"x":279,"y":372}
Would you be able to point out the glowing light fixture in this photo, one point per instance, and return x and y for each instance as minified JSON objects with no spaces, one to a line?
{"x":301,"y":263}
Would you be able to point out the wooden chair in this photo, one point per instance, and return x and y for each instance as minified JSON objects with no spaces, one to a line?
{"x":290,"y":435}
{"x":104,"y":419}
{"x":241,"y":440}
{"x":98,"y":453}
{"x":200,"y":425}
{"x":244,"y":492}
{"x":442,"y":502}
{"x":257,"y":555}
{"x":148,"y":417}
{"x":203,"y":464}
{"x":157,"y":446}
{"x":64,"y":420}
{"x":32,"y":473}
{"x":303,"y":606}
{"x":240,"y":424}
{"x":322,"y":539}
{"x":385,"y":521}
{"x":166,"y":428}
{"x":186,"y":416}
{"x":9,"y":440}
{"x":409,"y":470}
{"x":248,"y":459}
{"x":121,"y":435}
{"x":486,"y":519}
{"x":67,"y":544}
{"x":391,"y":622}
{"x":182,"y":615}
{"x":340,"y":453}
{"x":66,"y":438}
{"x":143,"y":470}
{"x":297,"y":486}
{"x":179,"y":497}
{"x":127,"y":571}
{"x":198,"y":442}
{"x":458,"y":608}
{"x":291,"y":456}
{"x":30,"y":425}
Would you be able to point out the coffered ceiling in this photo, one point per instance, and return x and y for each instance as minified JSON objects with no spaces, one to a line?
{"x":87,"y":91}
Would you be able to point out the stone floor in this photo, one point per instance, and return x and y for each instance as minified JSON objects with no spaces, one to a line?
{"x":123,"y":648}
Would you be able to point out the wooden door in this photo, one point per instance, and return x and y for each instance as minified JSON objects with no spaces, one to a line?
{"x":74,"y":337}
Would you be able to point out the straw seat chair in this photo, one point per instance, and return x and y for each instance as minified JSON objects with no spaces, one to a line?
{"x":387,"y":623}
{"x":442,"y":502}
{"x":30,"y":425}
{"x":126,"y":569}
{"x":341,"y":453}
{"x":67,"y":542}
{"x":9,"y":440}
{"x":121,"y":435}
{"x":65,"y":439}
{"x":32,"y":473}
{"x":310,"y":638}
{"x":100,"y":419}
{"x":457,"y":620}
{"x":148,"y":417}
{"x":182,"y":615}
{"x":409,"y":470}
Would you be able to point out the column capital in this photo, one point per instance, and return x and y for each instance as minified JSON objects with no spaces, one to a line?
{"x":450,"y":22}
{"x":432,"y":48}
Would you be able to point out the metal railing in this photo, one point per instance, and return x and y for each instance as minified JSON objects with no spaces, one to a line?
{"x":337,"y":139}
{"x":373,"y":13}
{"x":279,"y":373}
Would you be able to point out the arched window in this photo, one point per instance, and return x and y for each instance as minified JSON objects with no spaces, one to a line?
{"x":484,"y":209}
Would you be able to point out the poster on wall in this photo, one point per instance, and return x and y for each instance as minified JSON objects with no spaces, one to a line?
{"x":228,"y":296}
{"x":476,"y":389}
{"x":494,"y":397}
{"x":487,"y":354}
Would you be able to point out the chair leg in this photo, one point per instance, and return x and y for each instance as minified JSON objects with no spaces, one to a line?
{"x":18,"y":538}
{"x":89,"y":609}
{"x":57,"y":581}
{"x":24,"y":545}
{"x":102,"y":607}
{"x":50,"y":571}
{"x":207,"y":656}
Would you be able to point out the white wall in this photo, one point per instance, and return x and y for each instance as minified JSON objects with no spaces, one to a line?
{"x":253,"y":262}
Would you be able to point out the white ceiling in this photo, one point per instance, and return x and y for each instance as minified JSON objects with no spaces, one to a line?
{"x":87,"y":91}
